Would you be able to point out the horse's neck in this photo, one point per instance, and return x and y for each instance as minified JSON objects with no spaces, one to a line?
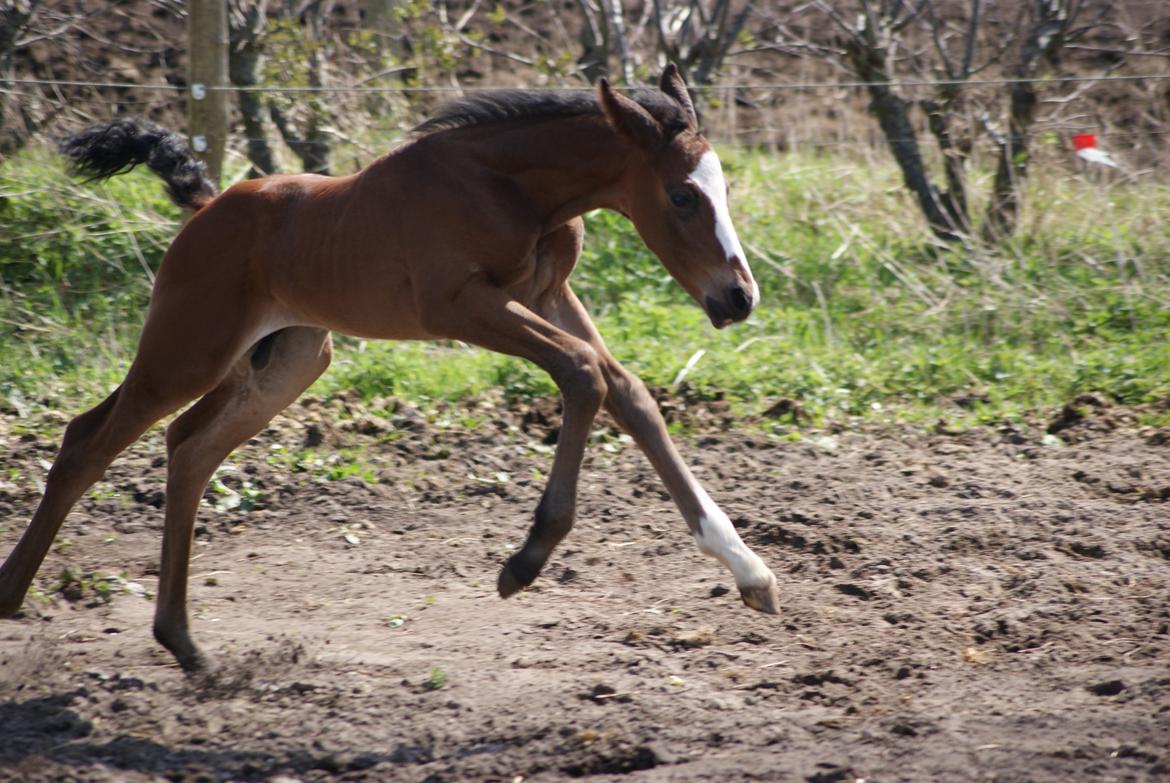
{"x":565,"y":166}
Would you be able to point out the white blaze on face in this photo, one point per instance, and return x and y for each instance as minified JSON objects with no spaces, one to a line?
{"x":708,"y":178}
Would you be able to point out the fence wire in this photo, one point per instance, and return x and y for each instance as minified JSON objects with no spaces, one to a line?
{"x":730,"y":121}
{"x":793,"y":86}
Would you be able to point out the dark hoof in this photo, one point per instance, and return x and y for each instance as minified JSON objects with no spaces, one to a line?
{"x":178,"y":643}
{"x":196,"y":663}
{"x":508,"y":585}
{"x":202,"y":670}
{"x":514,"y":577}
{"x":10,"y":599}
{"x":764,"y":599}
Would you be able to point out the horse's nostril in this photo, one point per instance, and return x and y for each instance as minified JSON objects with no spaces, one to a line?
{"x":740,"y":302}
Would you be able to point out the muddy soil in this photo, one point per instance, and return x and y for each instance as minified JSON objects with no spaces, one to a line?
{"x":991,"y":605}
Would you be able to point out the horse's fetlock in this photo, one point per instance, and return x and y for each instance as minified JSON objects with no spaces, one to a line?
{"x":555,"y":517}
{"x":162,"y":633}
{"x":175,"y":638}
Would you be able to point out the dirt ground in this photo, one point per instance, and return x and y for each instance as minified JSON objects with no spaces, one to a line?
{"x":991,"y":605}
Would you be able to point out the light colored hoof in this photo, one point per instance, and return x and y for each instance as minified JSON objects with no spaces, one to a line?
{"x":764,"y":599}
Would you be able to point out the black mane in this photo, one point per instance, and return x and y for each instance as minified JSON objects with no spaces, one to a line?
{"x":501,"y":105}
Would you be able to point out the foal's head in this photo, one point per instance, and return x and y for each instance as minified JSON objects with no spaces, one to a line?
{"x":677,"y":198}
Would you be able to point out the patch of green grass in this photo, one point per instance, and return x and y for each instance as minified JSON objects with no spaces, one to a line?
{"x":76,"y":265}
{"x":425,"y":372}
{"x":328,"y":465}
{"x":437,"y":679}
{"x":863,"y":317}
{"x":98,"y":588}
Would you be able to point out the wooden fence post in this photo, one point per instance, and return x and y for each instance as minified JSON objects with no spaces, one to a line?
{"x":207,"y":109}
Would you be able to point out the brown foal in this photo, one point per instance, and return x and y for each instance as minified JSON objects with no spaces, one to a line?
{"x":467,"y":233}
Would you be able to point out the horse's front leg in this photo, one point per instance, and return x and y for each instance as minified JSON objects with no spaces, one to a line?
{"x":489,"y":317}
{"x":636,"y":412}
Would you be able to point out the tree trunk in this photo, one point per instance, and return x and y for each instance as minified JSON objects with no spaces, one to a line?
{"x":717,"y":42}
{"x":618,"y":32}
{"x":15,"y":17}
{"x":317,"y":146}
{"x":594,"y":59}
{"x":247,"y":53}
{"x":311,"y":144}
{"x":893,"y":114}
{"x":1043,"y":42}
{"x":311,"y":147}
{"x":954,"y":200}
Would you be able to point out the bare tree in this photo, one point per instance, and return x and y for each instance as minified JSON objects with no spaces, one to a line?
{"x":603,"y":31}
{"x":247,"y":20}
{"x":1048,"y":32}
{"x":618,"y":27}
{"x":382,"y":18}
{"x":696,"y":35}
{"x":304,"y":127}
{"x":15,"y":18}
{"x":594,"y":59}
{"x":881,"y":39}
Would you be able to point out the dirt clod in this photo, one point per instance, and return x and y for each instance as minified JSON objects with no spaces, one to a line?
{"x":1107,"y":688}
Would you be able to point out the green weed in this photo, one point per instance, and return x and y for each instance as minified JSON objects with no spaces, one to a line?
{"x":437,"y":679}
{"x":98,"y":588}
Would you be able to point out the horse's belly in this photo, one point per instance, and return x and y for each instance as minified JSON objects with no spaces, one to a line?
{"x":361,"y":304}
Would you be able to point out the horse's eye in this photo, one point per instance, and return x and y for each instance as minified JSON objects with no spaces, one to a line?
{"x":683,"y":197}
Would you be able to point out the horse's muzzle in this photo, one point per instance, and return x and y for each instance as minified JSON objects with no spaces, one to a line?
{"x":735,"y":306}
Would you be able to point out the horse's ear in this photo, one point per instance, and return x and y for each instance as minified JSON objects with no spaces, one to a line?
{"x":671,"y":83}
{"x":628,"y":117}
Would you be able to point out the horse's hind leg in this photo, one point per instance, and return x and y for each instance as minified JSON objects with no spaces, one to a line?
{"x":261,"y":384}
{"x":91,"y":442}
{"x":183,"y":353}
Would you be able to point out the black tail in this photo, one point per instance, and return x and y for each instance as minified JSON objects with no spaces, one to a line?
{"x":110,"y":148}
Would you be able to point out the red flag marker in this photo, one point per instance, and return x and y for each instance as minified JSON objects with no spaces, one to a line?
{"x":1086,"y":146}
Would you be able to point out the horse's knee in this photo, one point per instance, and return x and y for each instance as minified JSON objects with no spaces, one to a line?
{"x":76,"y":460}
{"x":178,"y":435}
{"x":582,"y":379}
{"x":84,"y":425}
